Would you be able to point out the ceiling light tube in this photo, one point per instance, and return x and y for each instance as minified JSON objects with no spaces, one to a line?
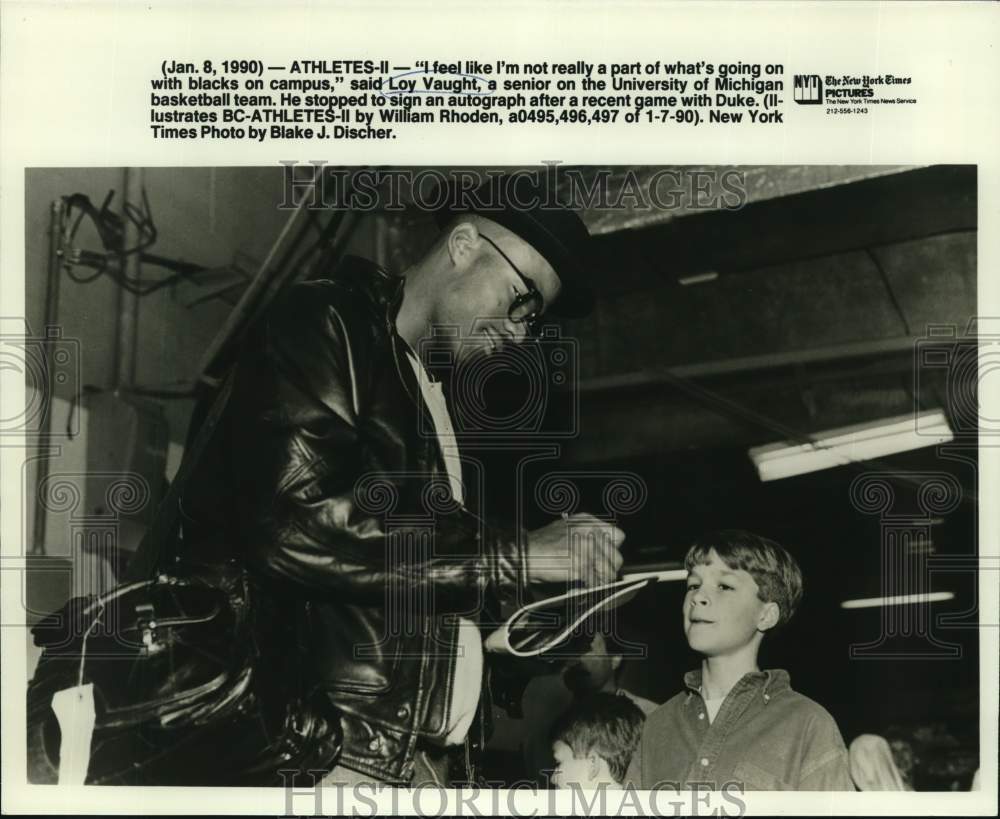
{"x":846,"y":445}
{"x":698,"y":278}
{"x":898,"y":600}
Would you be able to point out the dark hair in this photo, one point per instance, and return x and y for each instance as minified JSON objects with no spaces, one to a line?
{"x":606,"y":624}
{"x":774,"y":570}
{"x":607,"y":724}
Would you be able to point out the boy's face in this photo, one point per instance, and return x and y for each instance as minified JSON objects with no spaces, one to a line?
{"x":571,"y":770}
{"x":722,"y":612}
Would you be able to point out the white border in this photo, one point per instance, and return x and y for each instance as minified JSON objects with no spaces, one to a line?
{"x":73,"y":86}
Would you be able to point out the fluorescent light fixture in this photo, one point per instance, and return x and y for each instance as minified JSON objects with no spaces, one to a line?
{"x":846,"y":445}
{"x":699,"y":278}
{"x":898,"y":600}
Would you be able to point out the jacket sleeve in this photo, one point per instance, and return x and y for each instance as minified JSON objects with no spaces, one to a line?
{"x":824,"y":764}
{"x":633,"y":776}
{"x":313,"y":454}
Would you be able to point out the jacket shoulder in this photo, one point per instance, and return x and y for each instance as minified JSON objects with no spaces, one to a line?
{"x":803,"y":705}
{"x":320,"y":339}
{"x":667,"y":713}
{"x":809,"y":715}
{"x":308,"y":304}
{"x":322,"y":319}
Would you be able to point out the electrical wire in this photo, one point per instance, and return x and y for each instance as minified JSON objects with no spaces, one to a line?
{"x":110,"y":229}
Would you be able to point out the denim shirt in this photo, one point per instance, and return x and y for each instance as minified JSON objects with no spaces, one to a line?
{"x":765,"y":737}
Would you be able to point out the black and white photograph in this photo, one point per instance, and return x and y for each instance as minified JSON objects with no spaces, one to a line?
{"x":592,"y":476}
{"x":564,"y":409}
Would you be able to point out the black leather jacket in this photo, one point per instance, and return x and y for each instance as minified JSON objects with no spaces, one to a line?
{"x":318,"y":475}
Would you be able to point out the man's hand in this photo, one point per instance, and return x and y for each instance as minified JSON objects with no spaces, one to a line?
{"x":576,"y":548}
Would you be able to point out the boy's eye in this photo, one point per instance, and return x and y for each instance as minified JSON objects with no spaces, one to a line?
{"x":725,"y":586}
{"x":692,"y":586}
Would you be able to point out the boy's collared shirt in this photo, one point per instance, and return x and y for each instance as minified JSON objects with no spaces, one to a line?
{"x":765,"y":737}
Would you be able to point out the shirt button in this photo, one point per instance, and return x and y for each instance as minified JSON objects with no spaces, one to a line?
{"x":701,"y":715}
{"x":403,"y":712}
{"x":375,"y":744}
{"x":767,"y":698}
{"x":704,"y":762}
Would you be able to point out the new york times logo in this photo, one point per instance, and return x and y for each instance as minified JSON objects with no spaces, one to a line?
{"x":808,"y":89}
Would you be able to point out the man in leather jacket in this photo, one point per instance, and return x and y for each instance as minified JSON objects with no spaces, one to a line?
{"x":319,"y":477}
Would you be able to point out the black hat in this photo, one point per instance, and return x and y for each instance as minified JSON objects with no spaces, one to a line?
{"x":529,"y":208}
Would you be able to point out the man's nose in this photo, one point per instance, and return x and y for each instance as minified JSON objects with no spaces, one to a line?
{"x":518,"y":331}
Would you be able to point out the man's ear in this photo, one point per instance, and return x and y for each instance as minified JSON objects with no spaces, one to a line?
{"x":769,"y":616}
{"x":462,"y":245}
{"x":616,"y":661}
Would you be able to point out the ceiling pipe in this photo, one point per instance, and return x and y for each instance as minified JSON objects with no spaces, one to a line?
{"x":127,"y":308}
{"x":45,"y":449}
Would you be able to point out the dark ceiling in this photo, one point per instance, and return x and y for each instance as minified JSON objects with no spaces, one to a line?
{"x":829,"y":306}
{"x":816,"y":314}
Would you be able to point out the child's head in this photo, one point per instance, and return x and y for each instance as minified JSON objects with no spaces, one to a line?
{"x":594,"y":740}
{"x":598,"y":668}
{"x":739,"y":586}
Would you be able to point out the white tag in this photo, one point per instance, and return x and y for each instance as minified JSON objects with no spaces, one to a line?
{"x":74,"y":708}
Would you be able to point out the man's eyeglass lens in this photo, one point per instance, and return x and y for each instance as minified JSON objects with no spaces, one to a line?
{"x":526,"y":307}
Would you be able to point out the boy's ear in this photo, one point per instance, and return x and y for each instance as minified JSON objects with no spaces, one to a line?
{"x":593,"y":766}
{"x":769,"y":616}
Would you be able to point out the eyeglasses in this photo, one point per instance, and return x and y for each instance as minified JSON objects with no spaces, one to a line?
{"x":527,"y":307}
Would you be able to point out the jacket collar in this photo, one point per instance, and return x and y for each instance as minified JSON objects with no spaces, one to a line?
{"x":384,"y":292}
{"x":769,"y":682}
{"x":383,"y":289}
